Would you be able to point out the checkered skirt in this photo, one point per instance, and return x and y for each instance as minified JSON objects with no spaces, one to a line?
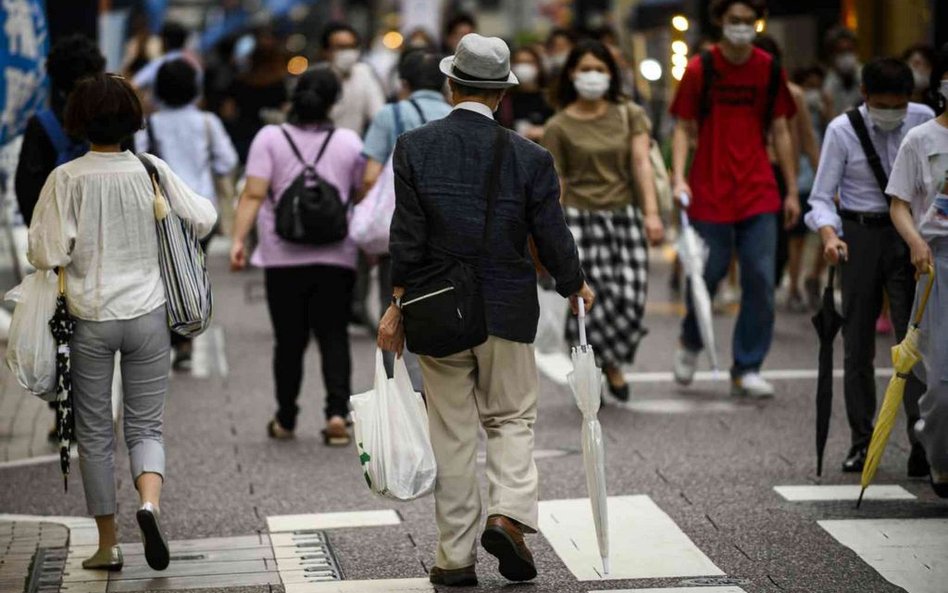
{"x":614,"y":255}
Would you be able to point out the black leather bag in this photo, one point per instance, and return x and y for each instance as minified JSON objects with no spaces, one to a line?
{"x":444,"y":314}
{"x":310,"y":211}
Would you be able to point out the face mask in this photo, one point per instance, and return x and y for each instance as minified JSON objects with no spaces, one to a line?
{"x":525,"y":73}
{"x":921,"y":79}
{"x":740,"y":35}
{"x":887,"y":119}
{"x":591,"y":85}
{"x":943,"y":89}
{"x":345,"y":59}
{"x":556,"y":61}
{"x":847,"y":62}
{"x":813,"y":98}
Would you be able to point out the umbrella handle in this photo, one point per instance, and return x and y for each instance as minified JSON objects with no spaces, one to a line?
{"x":685,"y":202}
{"x":582,"y":321}
{"x":61,"y":273}
{"x":928,"y":293}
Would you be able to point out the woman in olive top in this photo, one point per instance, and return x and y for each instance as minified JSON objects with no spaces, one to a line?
{"x":609,"y":199}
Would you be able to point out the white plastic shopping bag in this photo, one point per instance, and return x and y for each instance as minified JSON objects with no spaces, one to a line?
{"x":391,"y":431}
{"x":372,"y":217}
{"x":31,"y":349}
{"x":551,"y":330}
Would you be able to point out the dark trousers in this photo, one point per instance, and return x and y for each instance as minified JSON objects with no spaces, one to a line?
{"x":878,"y":261}
{"x":305,"y":301}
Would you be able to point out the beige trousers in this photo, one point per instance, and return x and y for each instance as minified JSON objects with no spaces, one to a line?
{"x":494,"y":386}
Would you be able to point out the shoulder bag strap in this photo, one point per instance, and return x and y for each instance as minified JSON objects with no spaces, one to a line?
{"x":152,"y":141}
{"x":707,"y":81}
{"x":493,"y":180}
{"x":421,"y":113}
{"x":875,"y":163}
{"x":150,"y":167}
{"x":54,"y":130}
{"x":399,"y":122}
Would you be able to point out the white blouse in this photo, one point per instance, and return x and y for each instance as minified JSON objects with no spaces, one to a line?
{"x":95,"y":217}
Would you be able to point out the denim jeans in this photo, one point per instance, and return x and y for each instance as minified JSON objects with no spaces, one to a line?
{"x":755,"y":240}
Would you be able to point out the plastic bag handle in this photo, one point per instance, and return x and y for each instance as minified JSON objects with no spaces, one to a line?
{"x":685,"y":202}
{"x":582,"y":321}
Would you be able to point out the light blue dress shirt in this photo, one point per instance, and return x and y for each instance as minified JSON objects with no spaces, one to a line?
{"x":844,"y":168}
{"x":382,"y":134}
{"x":194,"y":144}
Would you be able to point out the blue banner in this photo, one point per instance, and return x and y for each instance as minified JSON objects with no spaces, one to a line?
{"x":24,"y":43}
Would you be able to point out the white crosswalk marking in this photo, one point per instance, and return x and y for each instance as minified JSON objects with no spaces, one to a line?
{"x":386,"y":586}
{"x":289,"y":523}
{"x":644,"y":541}
{"x":677,"y":590}
{"x":843,"y":492}
{"x":909,"y":553}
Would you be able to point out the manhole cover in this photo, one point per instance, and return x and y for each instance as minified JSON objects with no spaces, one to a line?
{"x":715,"y":581}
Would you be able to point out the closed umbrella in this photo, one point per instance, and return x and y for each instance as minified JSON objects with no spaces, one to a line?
{"x":586,"y":381}
{"x":63,"y":326}
{"x":827,"y":323}
{"x":904,"y":358}
{"x":692,"y":253}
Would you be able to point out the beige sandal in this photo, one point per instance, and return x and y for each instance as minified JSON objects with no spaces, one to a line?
{"x":336,"y":434}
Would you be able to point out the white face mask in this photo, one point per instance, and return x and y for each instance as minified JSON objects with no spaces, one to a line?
{"x":921,"y":79}
{"x":887,"y":119}
{"x":556,"y":61}
{"x":591,"y":85}
{"x":943,"y":89}
{"x":847,"y":62}
{"x":525,"y":73}
{"x":345,"y":59}
{"x":814,"y":98}
{"x":740,"y":35}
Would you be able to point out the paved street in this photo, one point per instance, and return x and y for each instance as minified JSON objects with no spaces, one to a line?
{"x":691,"y":472}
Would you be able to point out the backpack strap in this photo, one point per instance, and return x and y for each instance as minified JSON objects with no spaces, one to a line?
{"x":296,"y":151}
{"x":773,"y":87}
{"x":152,"y":141}
{"x":875,"y":163}
{"x":325,"y":145}
{"x":708,"y":76}
{"x":421,"y":114}
{"x":399,"y":122}
{"x":54,"y":131}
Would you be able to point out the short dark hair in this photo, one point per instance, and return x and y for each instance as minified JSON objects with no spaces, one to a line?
{"x":317,"y":90}
{"x":71,"y":59}
{"x":461,"y":18}
{"x":103,"y":109}
{"x":938,"y":73}
{"x":176,"y":83}
{"x":560,"y":32}
{"x":888,"y":75}
{"x":925,"y":50}
{"x":566,"y":92}
{"x":472,"y":91}
{"x":719,"y":7}
{"x":336,"y":27}
{"x":420,"y":68}
{"x":173,"y":36}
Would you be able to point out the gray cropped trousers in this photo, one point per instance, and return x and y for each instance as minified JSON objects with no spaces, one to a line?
{"x":145,"y":345}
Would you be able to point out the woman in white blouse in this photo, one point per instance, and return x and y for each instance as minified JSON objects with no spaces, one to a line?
{"x":95,"y":219}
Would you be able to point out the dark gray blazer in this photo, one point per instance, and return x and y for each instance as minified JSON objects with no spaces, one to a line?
{"x":440,"y":176}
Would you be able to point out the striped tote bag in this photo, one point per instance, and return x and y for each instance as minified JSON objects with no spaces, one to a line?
{"x":183,"y":265}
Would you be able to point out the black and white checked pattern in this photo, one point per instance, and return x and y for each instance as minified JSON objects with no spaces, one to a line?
{"x":614,"y":255}
{"x":63,"y":326}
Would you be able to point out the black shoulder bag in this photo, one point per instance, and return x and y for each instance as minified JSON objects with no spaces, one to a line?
{"x":310,"y":211}
{"x":446,"y":315}
{"x":875,"y":162}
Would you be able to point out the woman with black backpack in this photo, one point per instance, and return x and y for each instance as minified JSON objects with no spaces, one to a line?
{"x":298,"y":187}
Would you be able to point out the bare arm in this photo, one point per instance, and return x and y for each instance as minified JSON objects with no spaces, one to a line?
{"x":686,"y":131}
{"x":373,"y":169}
{"x":642,"y":166}
{"x":783,"y":143}
{"x":808,"y":142}
{"x":255,"y":191}
{"x":901,"y":215}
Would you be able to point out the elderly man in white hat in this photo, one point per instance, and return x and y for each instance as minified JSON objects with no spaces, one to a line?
{"x":469,"y":194}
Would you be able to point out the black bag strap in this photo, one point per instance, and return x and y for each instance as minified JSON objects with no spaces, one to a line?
{"x":421,"y":113}
{"x":875,"y":163}
{"x":773,"y":88}
{"x":151,"y":168}
{"x":707,"y":81}
{"x":299,"y":156}
{"x":493,"y":180}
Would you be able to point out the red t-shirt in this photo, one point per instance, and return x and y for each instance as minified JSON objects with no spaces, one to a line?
{"x":731,"y":176}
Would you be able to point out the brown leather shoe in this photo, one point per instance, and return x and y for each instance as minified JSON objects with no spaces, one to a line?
{"x":503,"y":538}
{"x":453,"y":577}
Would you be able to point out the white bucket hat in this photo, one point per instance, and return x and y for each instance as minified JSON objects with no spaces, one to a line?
{"x":480,"y":62}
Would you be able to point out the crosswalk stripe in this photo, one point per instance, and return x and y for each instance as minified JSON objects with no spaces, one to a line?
{"x":909,"y":553}
{"x":851,"y":492}
{"x":677,"y":590}
{"x":289,"y":523}
{"x":644,"y":541}
{"x":386,"y":585}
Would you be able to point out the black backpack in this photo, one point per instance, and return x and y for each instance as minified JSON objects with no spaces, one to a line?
{"x":709,"y":77}
{"x":310,"y":211}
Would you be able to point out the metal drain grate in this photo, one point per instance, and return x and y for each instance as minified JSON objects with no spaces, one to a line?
{"x":305,"y":556}
{"x":47,"y":573}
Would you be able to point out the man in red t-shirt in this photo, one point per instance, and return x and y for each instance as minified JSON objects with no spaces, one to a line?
{"x":732,"y":195}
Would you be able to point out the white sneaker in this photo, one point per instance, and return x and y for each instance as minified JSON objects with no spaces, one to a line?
{"x":751,"y":385}
{"x":686,"y":363}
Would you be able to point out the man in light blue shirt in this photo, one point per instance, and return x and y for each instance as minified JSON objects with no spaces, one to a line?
{"x":875,"y":260}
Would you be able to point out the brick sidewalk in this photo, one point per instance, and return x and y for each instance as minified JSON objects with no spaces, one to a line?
{"x":19,"y":543}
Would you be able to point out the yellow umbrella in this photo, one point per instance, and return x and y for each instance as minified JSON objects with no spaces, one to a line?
{"x":904,"y":358}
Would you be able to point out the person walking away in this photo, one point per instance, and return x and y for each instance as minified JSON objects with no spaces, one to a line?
{"x":174,"y":38}
{"x":919,"y":186}
{"x":525,"y":108}
{"x":443,"y":172}
{"x":734,"y":201}
{"x":421,"y":77}
{"x":859,"y":236}
{"x":600,"y":143}
{"x":309,"y":287}
{"x":193,"y":143}
{"x":362,"y":95}
{"x":95,"y":221}
{"x":842,"y":81}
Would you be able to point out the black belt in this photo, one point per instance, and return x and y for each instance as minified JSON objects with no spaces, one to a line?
{"x":872,"y":219}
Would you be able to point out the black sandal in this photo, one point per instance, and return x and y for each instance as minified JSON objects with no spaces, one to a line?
{"x":276,"y":432}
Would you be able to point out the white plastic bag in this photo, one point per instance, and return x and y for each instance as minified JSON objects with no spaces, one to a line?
{"x":391,"y":431}
{"x":31,"y":349}
{"x":372,"y":217}
{"x":551,"y":330}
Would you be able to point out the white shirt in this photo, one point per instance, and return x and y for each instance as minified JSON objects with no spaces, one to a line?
{"x":95,"y":217}
{"x":844,"y":168}
{"x":476,"y":108}
{"x":361,"y":98}
{"x":193,"y":143}
{"x":920,"y":177}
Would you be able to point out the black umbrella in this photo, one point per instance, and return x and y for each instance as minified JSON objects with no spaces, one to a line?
{"x":63,"y":326}
{"x":827,"y":323}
